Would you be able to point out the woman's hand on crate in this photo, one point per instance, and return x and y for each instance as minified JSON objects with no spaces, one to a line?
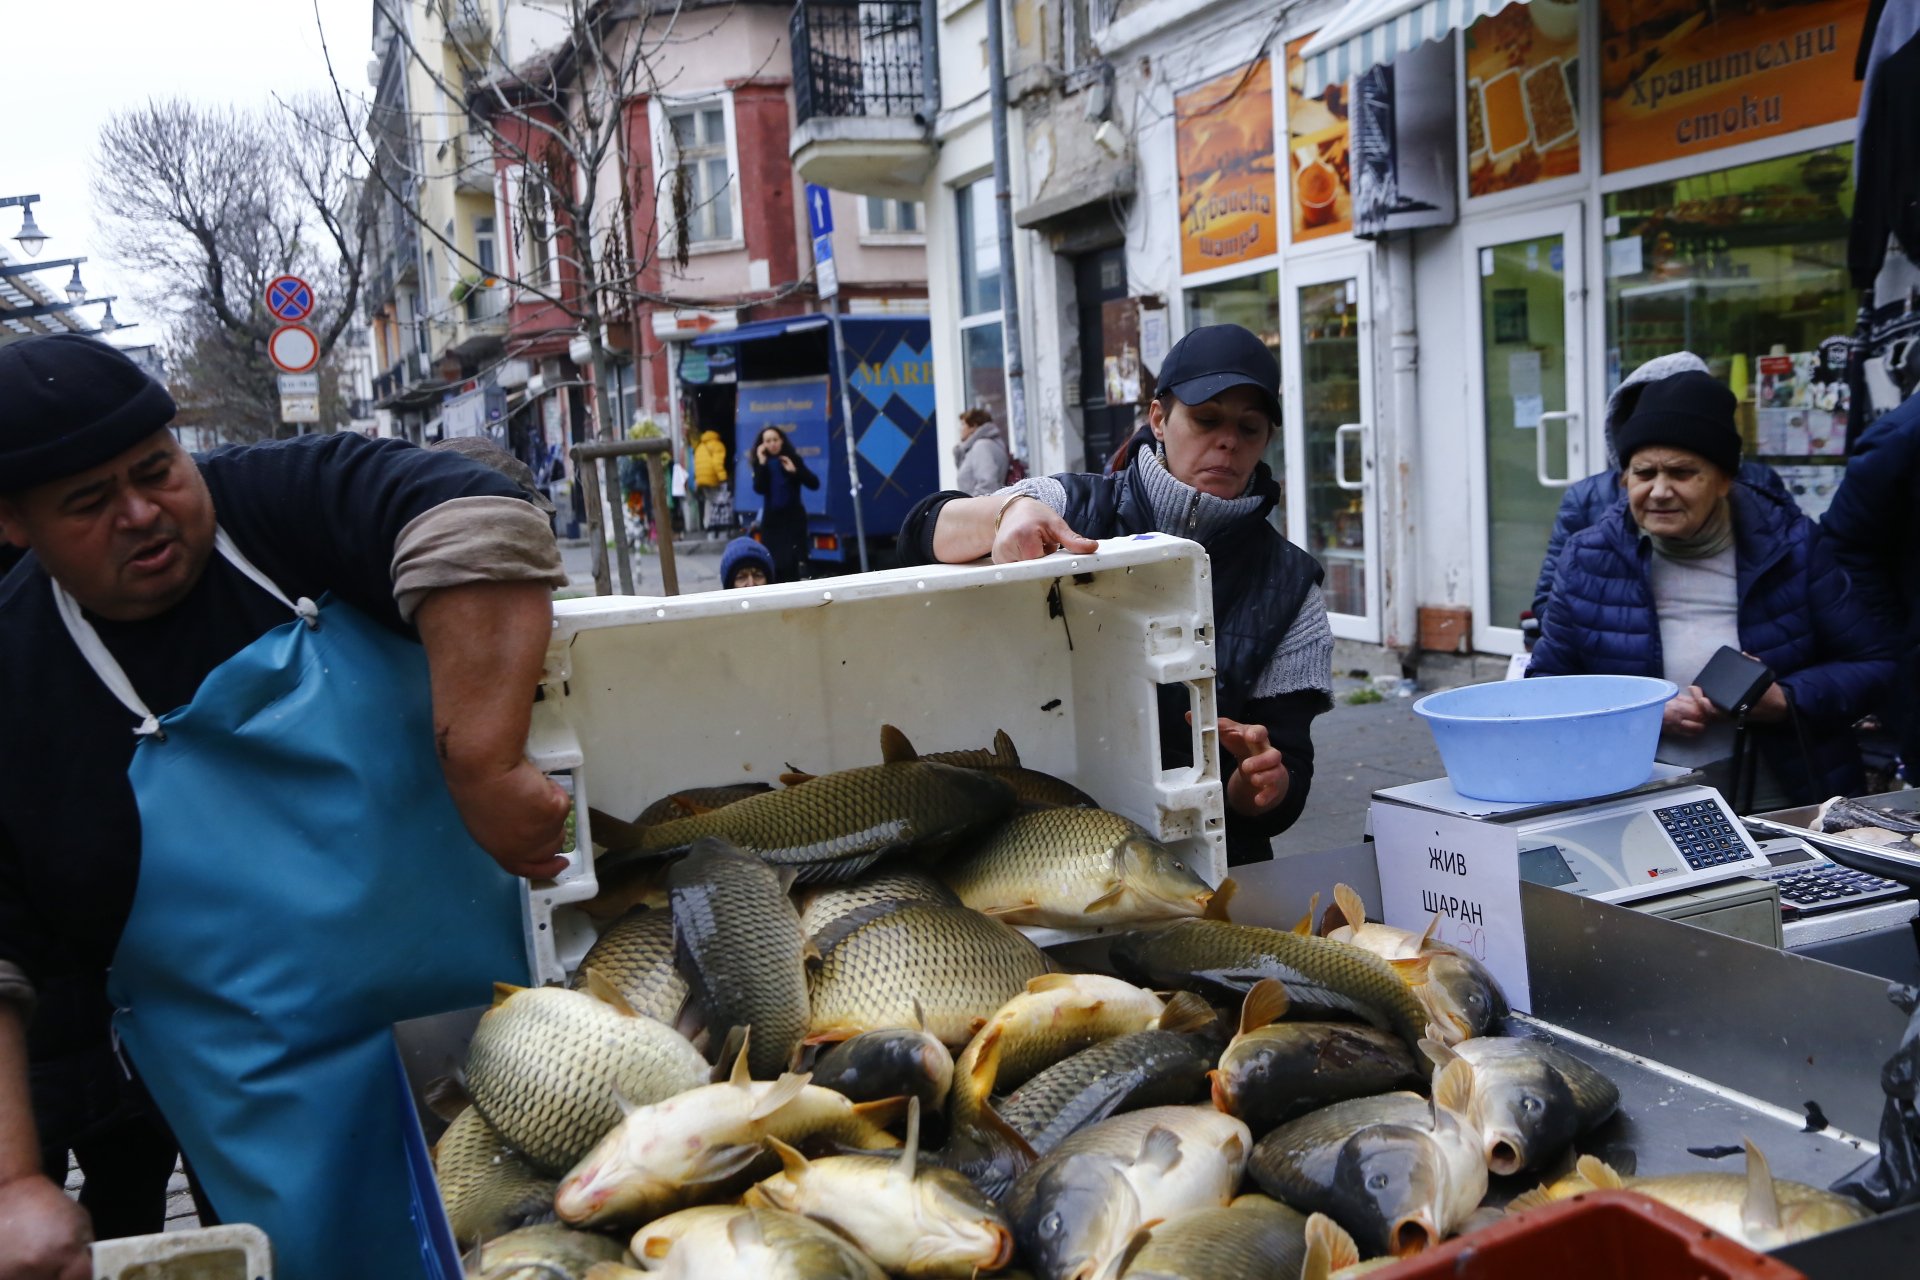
{"x":43,"y":1234}
{"x":1261,"y":781}
{"x":1029,"y":529}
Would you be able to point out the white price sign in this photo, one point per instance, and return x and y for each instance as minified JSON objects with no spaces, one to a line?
{"x":299,"y":408}
{"x":1468,"y":872}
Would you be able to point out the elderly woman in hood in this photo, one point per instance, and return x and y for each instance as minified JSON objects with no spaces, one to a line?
{"x":1693,"y":560}
{"x":980,"y":455}
{"x":1589,"y":499}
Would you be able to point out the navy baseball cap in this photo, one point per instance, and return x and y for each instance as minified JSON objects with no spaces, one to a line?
{"x":1217,"y":356}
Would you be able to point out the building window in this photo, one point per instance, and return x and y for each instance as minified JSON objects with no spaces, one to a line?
{"x":535,"y":254}
{"x":483,"y":253}
{"x":697,"y":137}
{"x":882,"y":220}
{"x":982,"y":345}
{"x":1747,"y":268}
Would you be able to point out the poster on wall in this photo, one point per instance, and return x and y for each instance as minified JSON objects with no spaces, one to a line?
{"x":1223,"y":130}
{"x":1403,"y":133}
{"x":1120,"y":350}
{"x":1678,"y":78}
{"x":1522,"y":96}
{"x":1319,"y":173}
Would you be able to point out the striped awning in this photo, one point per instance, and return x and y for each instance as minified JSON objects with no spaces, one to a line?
{"x":1369,"y":32}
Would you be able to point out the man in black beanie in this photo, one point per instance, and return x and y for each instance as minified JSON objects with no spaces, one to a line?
{"x":116,"y":519}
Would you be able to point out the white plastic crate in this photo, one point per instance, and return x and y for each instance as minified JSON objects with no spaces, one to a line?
{"x":646,"y":696}
{"x":234,"y":1252}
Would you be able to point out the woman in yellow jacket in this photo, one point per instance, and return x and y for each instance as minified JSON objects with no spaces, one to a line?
{"x":710,"y":479}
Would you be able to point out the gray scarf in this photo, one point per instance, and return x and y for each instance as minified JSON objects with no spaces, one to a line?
{"x":1710,"y":539}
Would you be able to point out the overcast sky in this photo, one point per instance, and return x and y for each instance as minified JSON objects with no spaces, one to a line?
{"x":72,"y":65}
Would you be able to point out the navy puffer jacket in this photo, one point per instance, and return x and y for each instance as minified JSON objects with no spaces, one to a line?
{"x":1797,"y":614}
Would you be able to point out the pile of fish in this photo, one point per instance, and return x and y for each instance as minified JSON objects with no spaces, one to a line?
{"x":1864,"y":824}
{"x":810,"y":1044}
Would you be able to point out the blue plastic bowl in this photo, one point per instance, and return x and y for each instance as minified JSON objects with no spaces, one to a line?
{"x":1548,"y":739}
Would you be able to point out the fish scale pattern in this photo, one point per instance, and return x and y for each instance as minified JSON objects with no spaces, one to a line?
{"x":1059,"y":858}
{"x":1136,"y":1070}
{"x":740,"y":936}
{"x":826,"y":905}
{"x":1254,"y":1236}
{"x":545,"y":1067}
{"x":487,"y":1189}
{"x":959,"y":964}
{"x":635,"y":954}
{"x":833,"y":827}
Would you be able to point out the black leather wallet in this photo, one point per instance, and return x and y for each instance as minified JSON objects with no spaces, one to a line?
{"x":1733,"y":682}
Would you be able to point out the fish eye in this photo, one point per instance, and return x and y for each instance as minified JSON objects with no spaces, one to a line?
{"x":1530,"y":1103}
{"x":1179,"y":866}
{"x":1050,"y":1226}
{"x":1378,"y":1181}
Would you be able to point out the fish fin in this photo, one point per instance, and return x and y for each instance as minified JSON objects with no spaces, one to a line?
{"x":1412,"y":969}
{"x":720,"y":1163}
{"x":784,"y":1090}
{"x":503,"y":992}
{"x":1626,"y":1162}
{"x":626,"y":1105}
{"x":1160,"y":1149}
{"x":1533,"y":1199}
{"x":1437,"y":1052}
{"x":1007,"y":913}
{"x":1330,"y":920}
{"x":882,"y":1114}
{"x":978,"y":1083}
{"x":691,"y":807}
{"x":791,"y":1161}
{"x":1426,"y":938}
{"x":1185,"y":1012}
{"x":743,"y":1233}
{"x":611,"y":833}
{"x":992,"y":1129}
{"x":740,"y":1074}
{"x":1222,"y":896}
{"x":910,"y":1152}
{"x":1600,"y":1173}
{"x":1304,"y":927}
{"x":1760,"y":1210}
{"x":1111,"y":898}
{"x":1004,"y":754}
{"x":1453,"y":1088}
{"x":655,"y":1247}
{"x":601,"y":988}
{"x":1329,"y":1248}
{"x":755,"y":1197}
{"x":1347,"y":898}
{"x":919,"y":1015}
{"x":447,"y":1097}
{"x":1049,"y":982}
{"x":794,"y":778}
{"x":1267,"y":1002}
{"x":894,"y":747}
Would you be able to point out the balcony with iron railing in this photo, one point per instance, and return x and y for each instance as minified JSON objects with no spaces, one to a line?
{"x":858,"y":89}
{"x":472,"y":155}
{"x":482,"y":327}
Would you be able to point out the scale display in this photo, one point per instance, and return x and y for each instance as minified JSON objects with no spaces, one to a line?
{"x":1639,"y":848}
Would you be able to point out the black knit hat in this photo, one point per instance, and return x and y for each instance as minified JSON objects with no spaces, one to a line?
{"x":68,"y":403}
{"x":1692,"y":411}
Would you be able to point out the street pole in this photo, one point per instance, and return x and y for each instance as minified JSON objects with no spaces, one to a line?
{"x":1003,"y":206}
{"x":846,"y":427}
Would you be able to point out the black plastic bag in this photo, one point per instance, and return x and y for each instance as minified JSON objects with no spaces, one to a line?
{"x":1892,"y":1178}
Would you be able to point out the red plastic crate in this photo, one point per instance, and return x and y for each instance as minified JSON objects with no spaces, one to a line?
{"x":1599,"y":1235}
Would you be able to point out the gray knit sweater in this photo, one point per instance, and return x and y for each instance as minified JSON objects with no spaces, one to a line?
{"x":1304,"y":659}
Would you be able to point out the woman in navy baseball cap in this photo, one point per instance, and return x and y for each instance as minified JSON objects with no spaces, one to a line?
{"x":1198,"y":475}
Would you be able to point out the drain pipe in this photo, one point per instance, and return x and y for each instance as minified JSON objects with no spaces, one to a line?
{"x":929,"y":65}
{"x":1401,"y":630}
{"x":1017,"y":428}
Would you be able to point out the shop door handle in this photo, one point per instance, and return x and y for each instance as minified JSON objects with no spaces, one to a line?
{"x":1567,"y":416}
{"x":1340,"y":455}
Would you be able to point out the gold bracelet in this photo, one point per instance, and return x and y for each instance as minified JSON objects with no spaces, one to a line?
{"x":1002,"y":513}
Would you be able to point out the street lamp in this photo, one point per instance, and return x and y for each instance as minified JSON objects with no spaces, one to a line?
{"x":31,"y":238}
{"x":107,"y":323}
{"x":76,"y":290}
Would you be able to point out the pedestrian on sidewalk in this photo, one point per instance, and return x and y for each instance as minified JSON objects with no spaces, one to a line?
{"x":980,"y":455}
{"x":779,"y":474}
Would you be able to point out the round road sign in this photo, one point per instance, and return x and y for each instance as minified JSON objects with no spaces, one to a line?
{"x":289,"y":298}
{"x":293,"y":348}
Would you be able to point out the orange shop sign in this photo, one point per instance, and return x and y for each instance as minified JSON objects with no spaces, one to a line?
{"x":1681,"y":79}
{"x":1223,"y":130}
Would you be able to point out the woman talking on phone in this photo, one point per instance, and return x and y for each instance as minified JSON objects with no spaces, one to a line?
{"x":779,"y":473}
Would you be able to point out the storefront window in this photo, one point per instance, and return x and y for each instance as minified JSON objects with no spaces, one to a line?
{"x":1252,"y":302}
{"x":979,"y":248}
{"x":1746,"y":268}
{"x":986,"y":357}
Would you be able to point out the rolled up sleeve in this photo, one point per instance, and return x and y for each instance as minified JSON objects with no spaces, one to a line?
{"x":469,"y":540}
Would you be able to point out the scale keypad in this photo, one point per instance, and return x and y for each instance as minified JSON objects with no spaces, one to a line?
{"x":1828,"y":885}
{"x":1703,"y":835}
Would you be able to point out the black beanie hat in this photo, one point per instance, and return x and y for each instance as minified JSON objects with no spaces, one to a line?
{"x":68,"y":403}
{"x":1692,"y":411}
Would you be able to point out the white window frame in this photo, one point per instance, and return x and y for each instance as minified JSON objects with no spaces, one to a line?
{"x":887,"y":235}
{"x":660,"y":115}
{"x":525,"y":268}
{"x":490,"y":239}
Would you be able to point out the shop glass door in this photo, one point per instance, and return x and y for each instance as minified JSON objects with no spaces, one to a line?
{"x":1526,"y":386}
{"x":1330,"y":417}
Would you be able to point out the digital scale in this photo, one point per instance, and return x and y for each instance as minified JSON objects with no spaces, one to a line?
{"x":1667,"y":836}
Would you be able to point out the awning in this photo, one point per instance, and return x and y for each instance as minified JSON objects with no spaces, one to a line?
{"x":1369,"y":32}
{"x":760,"y":329}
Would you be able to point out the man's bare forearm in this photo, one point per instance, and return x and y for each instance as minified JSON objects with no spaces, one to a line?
{"x":486,"y":643}
{"x":19,"y":1142}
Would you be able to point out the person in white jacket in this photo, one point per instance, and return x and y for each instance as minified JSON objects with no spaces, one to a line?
{"x":981,"y":454}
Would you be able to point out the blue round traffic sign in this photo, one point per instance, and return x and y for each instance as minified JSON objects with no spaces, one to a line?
{"x":289,"y":298}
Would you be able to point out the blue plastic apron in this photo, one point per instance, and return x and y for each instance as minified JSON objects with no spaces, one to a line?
{"x":305,"y":881}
